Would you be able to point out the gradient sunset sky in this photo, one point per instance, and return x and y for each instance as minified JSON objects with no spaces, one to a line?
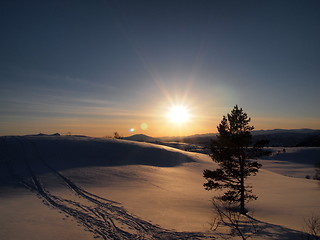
{"x":97,"y":66}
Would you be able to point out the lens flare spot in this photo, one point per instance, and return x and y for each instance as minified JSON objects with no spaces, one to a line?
{"x":144,"y":126}
{"x":131,"y":130}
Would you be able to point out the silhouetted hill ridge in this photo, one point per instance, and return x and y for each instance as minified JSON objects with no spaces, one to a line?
{"x":141,"y":138}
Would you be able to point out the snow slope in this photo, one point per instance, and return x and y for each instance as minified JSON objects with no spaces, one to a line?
{"x":293,"y":162}
{"x":144,"y":189}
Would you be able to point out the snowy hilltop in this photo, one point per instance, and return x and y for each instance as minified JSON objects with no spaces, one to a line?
{"x":76,"y":187}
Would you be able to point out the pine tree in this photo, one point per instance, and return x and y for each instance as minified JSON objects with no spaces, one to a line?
{"x":233,"y":151}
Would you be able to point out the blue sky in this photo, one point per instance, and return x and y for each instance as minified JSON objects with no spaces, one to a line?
{"x":95,"y":67}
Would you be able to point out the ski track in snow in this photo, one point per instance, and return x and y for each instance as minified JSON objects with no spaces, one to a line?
{"x":106,"y":219}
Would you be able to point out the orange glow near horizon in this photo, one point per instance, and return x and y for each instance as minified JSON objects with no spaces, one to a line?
{"x":155,"y":126}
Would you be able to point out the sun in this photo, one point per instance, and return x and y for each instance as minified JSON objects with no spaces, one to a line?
{"x":178,"y":114}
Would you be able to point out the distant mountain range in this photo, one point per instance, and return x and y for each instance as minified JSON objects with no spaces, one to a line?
{"x":141,"y":138}
{"x":290,"y":138}
{"x":276,"y":137}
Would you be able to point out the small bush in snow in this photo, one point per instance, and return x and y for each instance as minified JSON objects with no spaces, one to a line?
{"x":312,"y":228}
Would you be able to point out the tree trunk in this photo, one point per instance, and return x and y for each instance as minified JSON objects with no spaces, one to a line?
{"x":242,"y":197}
{"x":242,"y":189}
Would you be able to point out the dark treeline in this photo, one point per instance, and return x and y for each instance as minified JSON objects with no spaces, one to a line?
{"x":276,"y":138}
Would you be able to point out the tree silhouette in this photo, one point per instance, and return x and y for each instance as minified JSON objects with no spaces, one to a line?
{"x":116,"y":135}
{"x":233,"y":151}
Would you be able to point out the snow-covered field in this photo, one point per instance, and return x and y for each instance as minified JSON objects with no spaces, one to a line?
{"x":65,"y":187}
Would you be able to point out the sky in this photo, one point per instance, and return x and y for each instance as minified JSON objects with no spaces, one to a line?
{"x":96,"y":67}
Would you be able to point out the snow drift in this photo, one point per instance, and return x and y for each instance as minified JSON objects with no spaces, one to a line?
{"x":144,"y":189}
{"x":65,"y":152}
